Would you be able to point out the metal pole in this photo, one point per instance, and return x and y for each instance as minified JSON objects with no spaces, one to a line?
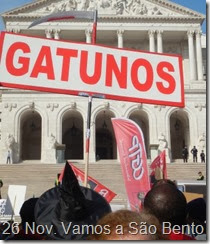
{"x":87,"y":151}
{"x":94,"y":27}
{"x":88,"y":140}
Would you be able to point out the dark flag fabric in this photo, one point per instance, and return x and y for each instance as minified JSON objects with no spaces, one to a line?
{"x":92,"y":184}
{"x":70,"y":211}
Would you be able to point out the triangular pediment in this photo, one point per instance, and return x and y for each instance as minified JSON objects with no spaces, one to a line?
{"x":129,"y":8}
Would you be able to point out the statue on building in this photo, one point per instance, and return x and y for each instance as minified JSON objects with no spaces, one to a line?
{"x":52,"y":8}
{"x":162,"y":142}
{"x":52,"y":142}
{"x":10,"y":146}
{"x":128,"y":6}
{"x":121,"y":6}
{"x":104,"y":4}
{"x":70,"y":5}
{"x":81,"y":4}
{"x":92,"y":5}
{"x":139,"y":8}
{"x":202,"y":142}
{"x":10,"y":142}
{"x":118,"y":6}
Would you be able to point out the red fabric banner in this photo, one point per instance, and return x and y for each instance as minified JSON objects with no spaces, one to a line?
{"x":92,"y":183}
{"x":130,"y":143}
{"x":158,"y":168}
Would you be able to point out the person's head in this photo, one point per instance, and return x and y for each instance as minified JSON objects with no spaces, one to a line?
{"x":1,"y":183}
{"x":164,"y":181}
{"x":202,"y":151}
{"x":200,"y":173}
{"x":167,"y":203}
{"x":125,"y":225}
{"x":196,"y":212}
{"x":27,"y":212}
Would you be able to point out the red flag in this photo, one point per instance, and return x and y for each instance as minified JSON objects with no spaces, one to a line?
{"x":92,"y":183}
{"x":158,"y":168}
{"x":130,"y":143}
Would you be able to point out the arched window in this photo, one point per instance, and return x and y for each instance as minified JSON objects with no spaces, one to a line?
{"x":72,"y":135}
{"x":179,"y":131}
{"x":31,"y":128}
{"x":105,"y":139}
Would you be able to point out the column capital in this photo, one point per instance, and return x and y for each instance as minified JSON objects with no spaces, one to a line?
{"x":88,"y":32}
{"x":120,"y":32}
{"x":13,"y":30}
{"x":16,"y":30}
{"x":56,"y":33}
{"x":190,"y":33}
{"x":48,"y":33}
{"x":198,"y":32}
{"x":159,"y":32}
{"x":151,"y":32}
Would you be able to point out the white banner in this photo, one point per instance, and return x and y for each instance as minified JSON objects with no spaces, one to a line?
{"x":70,"y":68}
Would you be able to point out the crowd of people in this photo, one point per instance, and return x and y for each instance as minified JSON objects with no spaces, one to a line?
{"x":72,"y":212}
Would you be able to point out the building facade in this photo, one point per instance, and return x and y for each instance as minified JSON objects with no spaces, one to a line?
{"x":35,"y":125}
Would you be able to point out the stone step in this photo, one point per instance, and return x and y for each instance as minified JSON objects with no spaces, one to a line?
{"x":40,"y":177}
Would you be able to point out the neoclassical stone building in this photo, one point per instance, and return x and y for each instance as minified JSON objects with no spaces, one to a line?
{"x":33,"y":124}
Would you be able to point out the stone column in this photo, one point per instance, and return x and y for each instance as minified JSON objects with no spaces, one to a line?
{"x":88,"y":35}
{"x":199,"y":55}
{"x":190,"y":34}
{"x":151,"y":34}
{"x":48,"y":33}
{"x":56,"y":34}
{"x":159,"y":41}
{"x":120,"y":38}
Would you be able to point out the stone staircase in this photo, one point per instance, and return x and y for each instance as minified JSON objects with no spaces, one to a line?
{"x":40,"y":177}
{"x":185,"y":171}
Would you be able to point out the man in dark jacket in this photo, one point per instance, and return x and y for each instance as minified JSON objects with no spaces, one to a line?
{"x":194,"y":152}
{"x":185,"y":154}
{"x":202,"y":155}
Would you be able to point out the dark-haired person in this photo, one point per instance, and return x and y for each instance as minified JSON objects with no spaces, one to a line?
{"x":196,"y":215}
{"x":200,"y":176}
{"x":27,"y":228}
{"x":194,"y":152}
{"x":202,"y":156}
{"x":169,"y":205}
{"x":185,"y":154}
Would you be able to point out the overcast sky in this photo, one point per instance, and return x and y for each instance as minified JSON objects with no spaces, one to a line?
{"x":197,"y":5}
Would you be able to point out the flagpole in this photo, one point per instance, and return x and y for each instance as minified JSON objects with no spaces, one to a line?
{"x":87,"y":150}
{"x":94,"y":27}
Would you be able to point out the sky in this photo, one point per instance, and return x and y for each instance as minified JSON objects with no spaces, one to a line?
{"x":197,"y":5}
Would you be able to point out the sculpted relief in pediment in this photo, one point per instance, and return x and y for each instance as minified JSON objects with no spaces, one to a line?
{"x":117,"y":7}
